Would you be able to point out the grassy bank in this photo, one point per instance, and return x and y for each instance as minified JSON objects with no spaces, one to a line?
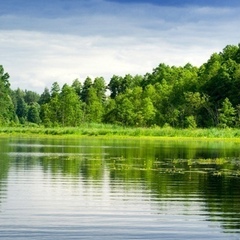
{"x":114,"y":130}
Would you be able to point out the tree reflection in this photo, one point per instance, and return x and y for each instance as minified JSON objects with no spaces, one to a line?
{"x":227,"y":192}
{"x":207,"y":171}
{"x":4,"y":169}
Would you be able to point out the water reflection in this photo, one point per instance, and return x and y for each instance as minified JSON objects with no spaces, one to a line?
{"x":4,"y":168}
{"x":160,"y":181}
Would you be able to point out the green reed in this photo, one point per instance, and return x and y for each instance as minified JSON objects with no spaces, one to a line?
{"x":116,"y":130}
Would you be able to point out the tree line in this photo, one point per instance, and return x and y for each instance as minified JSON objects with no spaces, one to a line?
{"x":180,"y":97}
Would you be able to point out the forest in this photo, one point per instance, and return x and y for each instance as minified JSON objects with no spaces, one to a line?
{"x":175,"y":96}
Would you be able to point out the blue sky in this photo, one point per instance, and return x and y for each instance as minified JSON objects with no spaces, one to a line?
{"x":60,"y":40}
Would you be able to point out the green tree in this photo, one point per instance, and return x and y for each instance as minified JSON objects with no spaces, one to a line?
{"x":238,"y":54}
{"x":162,"y":71}
{"x":45,"y":115}
{"x":125,"y":114}
{"x":77,"y":86}
{"x":126,"y":83}
{"x":223,"y":84}
{"x":21,"y":106}
{"x":238,"y":115}
{"x":55,"y":90}
{"x":229,"y":52}
{"x":150,"y":91}
{"x":50,"y":112}
{"x":7,"y":108}
{"x":210,"y":69}
{"x":85,"y":90}
{"x":94,"y":107}
{"x":163,"y":103}
{"x":114,"y":86}
{"x":191,"y":122}
{"x":148,"y":112}
{"x":44,"y":97}
{"x":227,"y":114}
{"x":70,"y":111}
{"x":100,"y":88}
{"x":110,"y":111}
{"x":31,"y":97}
{"x":193,"y":103}
{"x":135,"y":97}
{"x":34,"y":113}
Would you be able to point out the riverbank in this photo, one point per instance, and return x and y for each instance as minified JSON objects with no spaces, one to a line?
{"x":104,"y":130}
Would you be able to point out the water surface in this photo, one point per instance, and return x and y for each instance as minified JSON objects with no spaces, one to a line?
{"x":119,"y":189}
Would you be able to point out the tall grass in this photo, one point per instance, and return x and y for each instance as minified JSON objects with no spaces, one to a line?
{"x":116,"y":130}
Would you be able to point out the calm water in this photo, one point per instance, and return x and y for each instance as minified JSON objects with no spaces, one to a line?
{"x":119,"y":189}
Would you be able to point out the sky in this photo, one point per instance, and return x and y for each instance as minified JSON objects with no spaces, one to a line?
{"x":44,"y":41}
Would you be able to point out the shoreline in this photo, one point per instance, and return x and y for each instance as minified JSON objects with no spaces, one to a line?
{"x":107,"y":132}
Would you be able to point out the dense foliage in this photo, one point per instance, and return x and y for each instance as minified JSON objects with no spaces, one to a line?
{"x":181,"y":97}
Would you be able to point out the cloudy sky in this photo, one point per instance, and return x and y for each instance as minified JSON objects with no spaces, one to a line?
{"x":43,"y":41}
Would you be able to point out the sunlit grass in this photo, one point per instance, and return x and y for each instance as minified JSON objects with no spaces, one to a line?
{"x":116,"y":130}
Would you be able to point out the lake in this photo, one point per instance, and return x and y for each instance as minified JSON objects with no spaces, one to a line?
{"x":93,"y":188}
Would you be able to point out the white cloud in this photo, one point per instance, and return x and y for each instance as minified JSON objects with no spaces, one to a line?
{"x":37,"y":51}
